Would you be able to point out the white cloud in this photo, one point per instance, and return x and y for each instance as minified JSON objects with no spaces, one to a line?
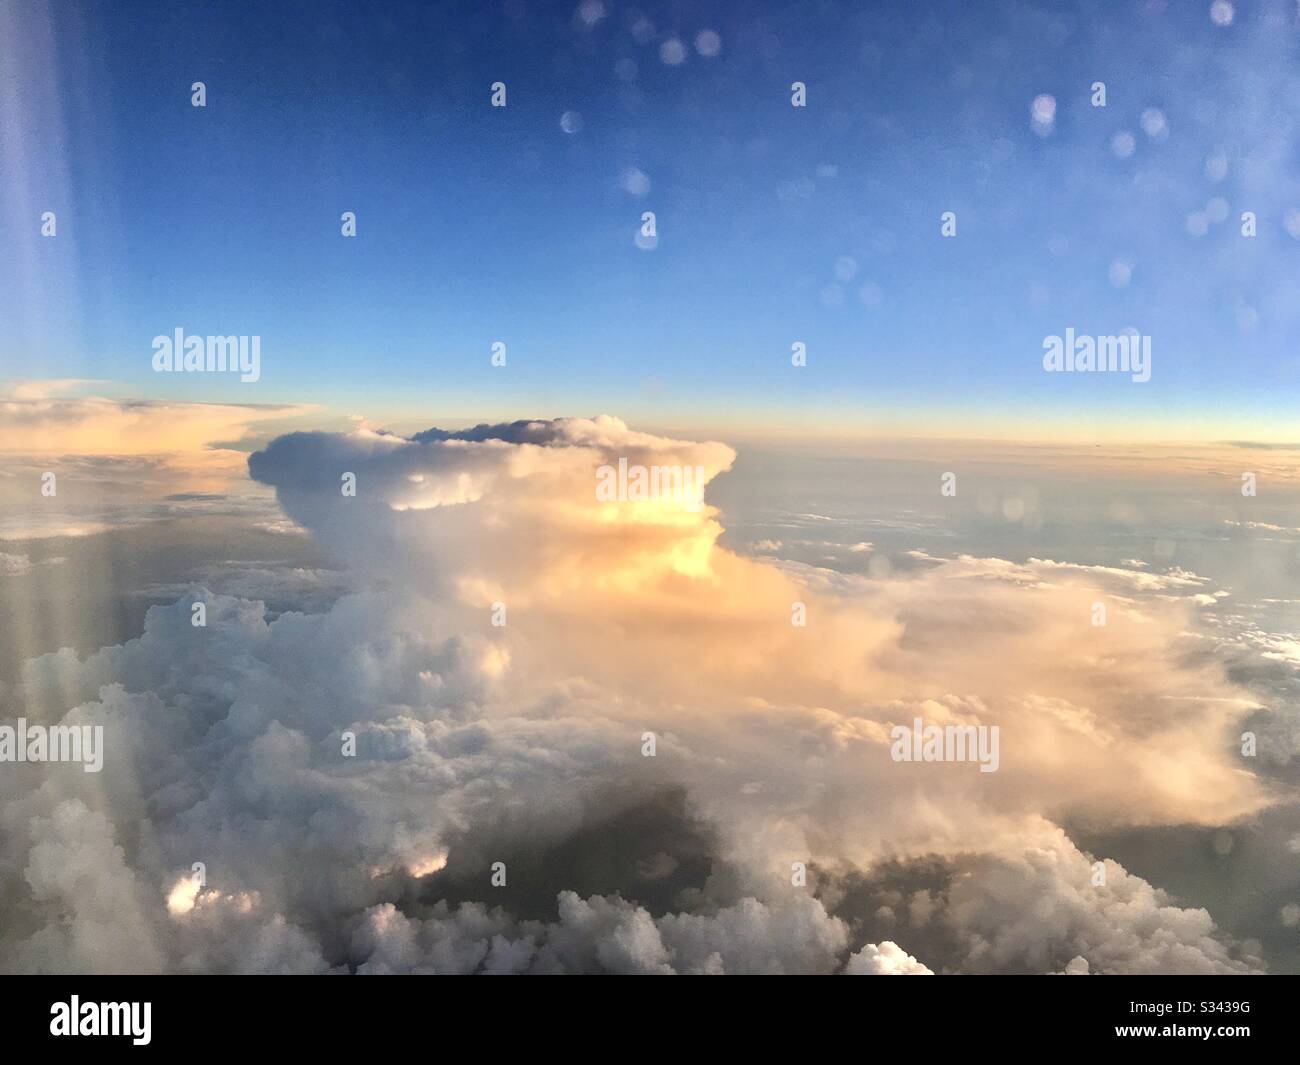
{"x":888,"y":959}
{"x":224,"y":742}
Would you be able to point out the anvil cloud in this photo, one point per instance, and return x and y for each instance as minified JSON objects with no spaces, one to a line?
{"x":479,"y":743}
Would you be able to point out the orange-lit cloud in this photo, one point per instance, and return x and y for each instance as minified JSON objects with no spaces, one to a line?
{"x":476,"y":739}
{"x":136,"y":448}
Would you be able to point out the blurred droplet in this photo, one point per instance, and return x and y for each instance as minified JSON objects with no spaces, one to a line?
{"x":708,"y":43}
{"x":672,"y":52}
{"x":1221,"y":13}
{"x":1042,"y":114}
{"x":1153,"y":124}
{"x":591,"y":12}
{"x":634,"y":182}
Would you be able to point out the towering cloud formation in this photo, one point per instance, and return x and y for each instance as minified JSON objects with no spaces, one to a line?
{"x":479,"y":743}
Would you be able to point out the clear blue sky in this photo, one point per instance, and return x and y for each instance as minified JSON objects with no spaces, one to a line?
{"x":479,"y":224}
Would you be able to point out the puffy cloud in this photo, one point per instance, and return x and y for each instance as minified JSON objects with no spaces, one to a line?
{"x":887,"y":959}
{"x":1040,"y":905}
{"x":495,"y":508}
{"x":1046,"y":905}
{"x":610,"y":935}
{"x":509,"y":514}
{"x":791,"y":935}
{"x":73,"y":868}
{"x":474,"y":742}
{"x":233,"y":934}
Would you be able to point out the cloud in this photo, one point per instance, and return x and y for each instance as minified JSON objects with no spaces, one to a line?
{"x":73,"y":867}
{"x":477,"y":742}
{"x":15,"y":565}
{"x":888,"y":959}
{"x":605,"y":935}
{"x":1041,"y":908}
{"x":455,"y":506}
{"x":112,"y":448}
{"x":99,"y":426}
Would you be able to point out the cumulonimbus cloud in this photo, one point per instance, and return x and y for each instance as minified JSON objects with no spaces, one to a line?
{"x":475,"y":739}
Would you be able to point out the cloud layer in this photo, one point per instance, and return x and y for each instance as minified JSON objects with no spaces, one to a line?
{"x":476,"y":743}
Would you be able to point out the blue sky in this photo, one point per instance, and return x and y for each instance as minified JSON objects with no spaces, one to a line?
{"x":776,"y":224}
